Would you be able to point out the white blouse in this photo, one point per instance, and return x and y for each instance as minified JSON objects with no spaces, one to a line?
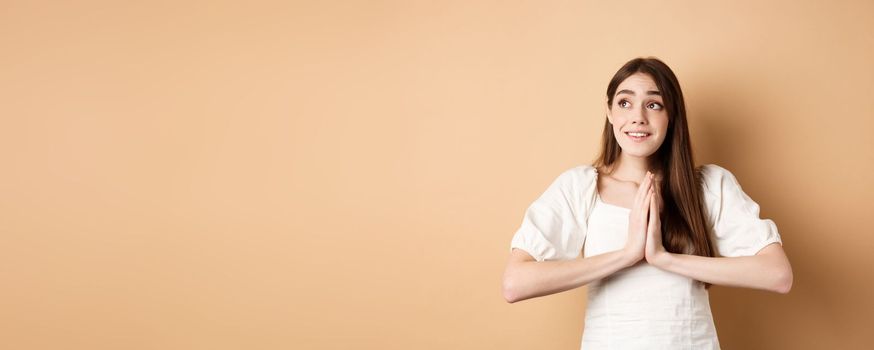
{"x":640,"y":307}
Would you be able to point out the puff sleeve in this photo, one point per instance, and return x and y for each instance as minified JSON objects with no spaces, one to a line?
{"x":734,"y":216}
{"x":551,"y":228}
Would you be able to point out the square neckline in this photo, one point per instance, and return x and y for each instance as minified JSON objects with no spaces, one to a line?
{"x":598,"y":194}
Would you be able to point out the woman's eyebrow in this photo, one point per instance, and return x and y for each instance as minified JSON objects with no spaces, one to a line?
{"x":651,"y":92}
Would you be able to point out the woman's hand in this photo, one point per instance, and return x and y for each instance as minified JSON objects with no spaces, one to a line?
{"x":655,"y":250}
{"x":635,"y":245}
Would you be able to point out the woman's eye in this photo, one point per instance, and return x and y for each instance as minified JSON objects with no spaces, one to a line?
{"x":624,"y":103}
{"x":655,"y":106}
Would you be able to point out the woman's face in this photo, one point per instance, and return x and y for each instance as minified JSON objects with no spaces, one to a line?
{"x":638,"y":115}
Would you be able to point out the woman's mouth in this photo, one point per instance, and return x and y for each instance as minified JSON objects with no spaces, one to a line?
{"x":638,"y":136}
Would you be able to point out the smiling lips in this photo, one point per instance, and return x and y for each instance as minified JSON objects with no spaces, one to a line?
{"x":637,"y":136}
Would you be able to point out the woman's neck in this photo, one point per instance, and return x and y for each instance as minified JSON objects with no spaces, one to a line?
{"x":631,"y":168}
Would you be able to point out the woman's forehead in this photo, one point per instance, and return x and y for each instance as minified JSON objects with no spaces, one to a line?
{"x":638,"y":82}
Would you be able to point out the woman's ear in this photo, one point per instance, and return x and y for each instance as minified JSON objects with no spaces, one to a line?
{"x":607,"y":112}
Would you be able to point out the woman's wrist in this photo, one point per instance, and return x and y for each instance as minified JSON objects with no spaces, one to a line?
{"x":661,"y":259}
{"x":630,"y":256}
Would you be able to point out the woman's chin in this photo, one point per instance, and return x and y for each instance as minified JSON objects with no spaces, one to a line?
{"x":637,"y":153}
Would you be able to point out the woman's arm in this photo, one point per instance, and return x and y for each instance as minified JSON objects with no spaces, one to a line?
{"x":768,"y":270}
{"x":526,"y":278}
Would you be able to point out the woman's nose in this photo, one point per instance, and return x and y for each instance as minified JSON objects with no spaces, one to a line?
{"x":639,"y":117}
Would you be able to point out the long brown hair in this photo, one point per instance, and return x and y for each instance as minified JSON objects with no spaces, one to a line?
{"x":684,"y":228}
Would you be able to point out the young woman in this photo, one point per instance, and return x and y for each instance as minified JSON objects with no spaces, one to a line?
{"x":654,"y":231}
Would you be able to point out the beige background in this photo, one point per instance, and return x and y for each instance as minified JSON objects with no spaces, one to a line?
{"x":348,"y":175}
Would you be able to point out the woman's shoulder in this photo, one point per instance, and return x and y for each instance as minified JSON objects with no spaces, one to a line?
{"x":715,"y":177}
{"x":581,"y":173}
{"x":583,"y":170}
{"x":577,"y":178}
{"x":711,"y":168}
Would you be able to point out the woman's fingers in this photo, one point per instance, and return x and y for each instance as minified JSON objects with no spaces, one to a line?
{"x":653,"y":211}
{"x":640,"y":189}
{"x":637,"y":219}
{"x":654,"y":220}
{"x":645,"y":185}
{"x":649,"y":190}
{"x":647,"y":199}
